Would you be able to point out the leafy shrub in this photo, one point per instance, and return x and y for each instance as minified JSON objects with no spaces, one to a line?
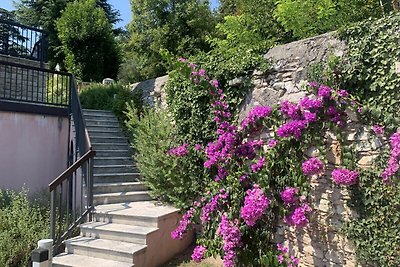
{"x":109,"y":97}
{"x":21,"y":226}
{"x":177,"y":180}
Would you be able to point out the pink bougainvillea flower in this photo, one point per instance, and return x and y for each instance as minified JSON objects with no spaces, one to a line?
{"x":345,"y":177}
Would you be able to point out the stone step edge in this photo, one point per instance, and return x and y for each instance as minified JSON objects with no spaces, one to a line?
{"x":118,"y":194}
{"x":64,"y":259}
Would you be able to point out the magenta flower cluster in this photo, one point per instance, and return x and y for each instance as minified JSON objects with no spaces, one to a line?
{"x":283,"y":257}
{"x":299,"y":215}
{"x":312,"y":166}
{"x":212,"y":205}
{"x":256,"y":167}
{"x":184,"y":223}
{"x":257,"y":113}
{"x":345,"y":177}
{"x":231,"y":237}
{"x":394,"y":160}
{"x":198,"y":253}
{"x":179,"y":151}
{"x":255,"y":204}
{"x":289,"y":195}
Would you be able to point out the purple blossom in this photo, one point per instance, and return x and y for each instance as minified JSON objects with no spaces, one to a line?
{"x":258,"y":166}
{"x":255,"y":203}
{"x":197,"y":147}
{"x":182,"y":59}
{"x":291,"y":110}
{"x":288,"y":195}
{"x":179,"y":151}
{"x":202,"y":72}
{"x":312,"y":166}
{"x":198,"y":253}
{"x":378,"y":130}
{"x":214,"y":83}
{"x":313,"y":84}
{"x":360,"y":109}
{"x":231,"y":237}
{"x":292,"y":128}
{"x":343,"y":93}
{"x":394,"y":160}
{"x":325,"y":92}
{"x":345,"y":177}
{"x":183,"y":225}
{"x":222,"y":173}
{"x":272,"y":143}
{"x":257,"y":113}
{"x":310,"y":117}
{"x":310,"y":104}
{"x":283,"y":258}
{"x":299,"y":216}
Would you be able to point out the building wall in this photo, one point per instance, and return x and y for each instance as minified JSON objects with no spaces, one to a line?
{"x":33,"y":149}
{"x":17,"y":83}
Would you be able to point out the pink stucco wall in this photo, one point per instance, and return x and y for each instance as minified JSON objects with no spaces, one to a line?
{"x":33,"y":149}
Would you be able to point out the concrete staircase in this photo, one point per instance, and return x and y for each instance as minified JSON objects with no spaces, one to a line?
{"x":128,"y":228}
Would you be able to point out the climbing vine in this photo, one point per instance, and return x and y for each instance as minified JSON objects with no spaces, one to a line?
{"x":261,"y":181}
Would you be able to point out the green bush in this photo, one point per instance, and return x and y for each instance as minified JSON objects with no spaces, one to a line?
{"x":109,"y":97}
{"x":21,"y":226}
{"x":171,"y":179}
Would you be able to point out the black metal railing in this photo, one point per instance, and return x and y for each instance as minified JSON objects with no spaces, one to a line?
{"x":72,"y":191}
{"x":71,"y":199}
{"x":19,"y":40}
{"x":23,"y":83}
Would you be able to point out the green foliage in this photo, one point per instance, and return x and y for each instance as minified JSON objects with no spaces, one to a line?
{"x":44,"y":13}
{"x":369,"y":74}
{"x":179,"y":26}
{"x":110,"y":97}
{"x":376,"y":233}
{"x":172,"y":179}
{"x":57,"y":89}
{"x":305,"y":18}
{"x":82,"y":25}
{"x":21,"y":226}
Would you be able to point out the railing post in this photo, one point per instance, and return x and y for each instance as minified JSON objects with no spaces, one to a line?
{"x":90,"y":187}
{"x":52,"y":215}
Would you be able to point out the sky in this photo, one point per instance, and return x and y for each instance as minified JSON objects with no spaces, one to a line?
{"x":122,"y":5}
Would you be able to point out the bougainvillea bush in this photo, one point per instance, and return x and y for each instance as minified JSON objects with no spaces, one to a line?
{"x":260,"y":174}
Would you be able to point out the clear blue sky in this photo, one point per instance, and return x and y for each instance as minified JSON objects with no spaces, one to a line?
{"x":122,"y":5}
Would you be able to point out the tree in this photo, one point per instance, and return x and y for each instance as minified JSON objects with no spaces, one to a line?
{"x":305,"y":18}
{"x":180,"y":26}
{"x":44,"y":14}
{"x":88,"y":42}
{"x":11,"y":39}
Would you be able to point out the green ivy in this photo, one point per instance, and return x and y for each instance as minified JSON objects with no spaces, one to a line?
{"x":369,"y":68}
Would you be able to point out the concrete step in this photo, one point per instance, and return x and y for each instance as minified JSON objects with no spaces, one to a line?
{"x":106,"y":133}
{"x":116,"y":250}
{"x":118,"y":187}
{"x":101,"y":123}
{"x":117,"y":177}
{"x":96,"y":111}
{"x":113,"y":160}
{"x":102,"y":139}
{"x":106,"y":117}
{"x":73,"y":260}
{"x":111,"y":146}
{"x":143,"y":213}
{"x":97,"y":127}
{"x":103,"y":169}
{"x":120,"y":197}
{"x":112,"y":153}
{"x":118,"y":232}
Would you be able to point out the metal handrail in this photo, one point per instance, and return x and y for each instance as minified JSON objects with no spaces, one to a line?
{"x":72,"y":191}
{"x":68,"y":172}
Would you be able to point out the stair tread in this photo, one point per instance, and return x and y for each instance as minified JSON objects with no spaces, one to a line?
{"x":117,"y":184}
{"x":113,"y":158}
{"x":97,"y":110}
{"x":74,"y":260}
{"x":114,"y":166}
{"x":149,"y":209}
{"x":120,"y":228}
{"x":115,"y":174}
{"x":105,"y":244}
{"x":129,"y":193}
